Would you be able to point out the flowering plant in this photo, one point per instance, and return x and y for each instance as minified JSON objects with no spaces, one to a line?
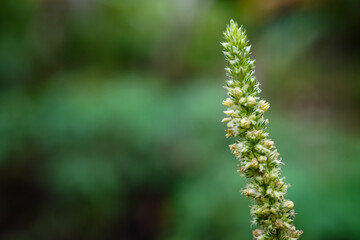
{"x":258,"y":157}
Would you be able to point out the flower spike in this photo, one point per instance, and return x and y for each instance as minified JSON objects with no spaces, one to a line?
{"x":258,"y":158}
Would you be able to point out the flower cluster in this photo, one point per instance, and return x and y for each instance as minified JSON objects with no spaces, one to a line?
{"x":258,"y":158}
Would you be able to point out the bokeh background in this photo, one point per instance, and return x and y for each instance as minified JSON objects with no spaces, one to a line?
{"x":110,"y":117}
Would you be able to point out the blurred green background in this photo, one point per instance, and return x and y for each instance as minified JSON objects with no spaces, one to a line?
{"x":110,"y":117}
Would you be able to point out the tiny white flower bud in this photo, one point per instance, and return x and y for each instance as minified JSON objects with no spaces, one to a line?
{"x":266,"y":178}
{"x":261,"y":149}
{"x":253,"y":117}
{"x":230,"y":82}
{"x":229,"y":133}
{"x":265,"y":211}
{"x":280,"y":184}
{"x":251,"y":101}
{"x":268,"y":143}
{"x":278,"y":194}
{"x":225,"y":119}
{"x":273,"y":155}
{"x":224,"y":44}
{"x":274,"y":175}
{"x":260,"y":180}
{"x":235,"y":114}
{"x":296,"y":233}
{"x":242,"y":101}
{"x":242,"y":70}
{"x":227,"y":54}
{"x":230,"y":124}
{"x":228,"y":102}
{"x":261,"y":159}
{"x":249,"y":192}
{"x":233,"y":62}
{"x":264,"y":135}
{"x":261,"y":167}
{"x":229,"y":112}
{"x":245,"y":123}
{"x":263,"y":105}
{"x":237,"y":92}
{"x":232,"y":146}
{"x":257,"y":233}
{"x":279,"y":224}
{"x":240,"y":169}
{"x":269,"y":191}
{"x":254,"y":163}
{"x":288,"y":204}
